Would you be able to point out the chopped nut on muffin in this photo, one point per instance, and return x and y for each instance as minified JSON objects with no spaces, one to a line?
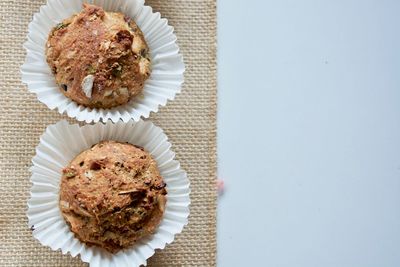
{"x":99,"y":59}
{"x":112,"y":195}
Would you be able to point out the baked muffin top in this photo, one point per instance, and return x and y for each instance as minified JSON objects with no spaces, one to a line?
{"x":99,"y":59}
{"x":112,"y":194}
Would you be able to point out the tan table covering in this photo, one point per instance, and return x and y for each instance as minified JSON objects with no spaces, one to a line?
{"x":189,"y":121}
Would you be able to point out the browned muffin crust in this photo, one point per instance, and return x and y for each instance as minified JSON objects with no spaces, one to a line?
{"x":112,"y":195}
{"x":99,"y":59}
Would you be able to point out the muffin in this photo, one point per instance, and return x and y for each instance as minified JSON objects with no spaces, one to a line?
{"x":112,"y":195}
{"x":99,"y":59}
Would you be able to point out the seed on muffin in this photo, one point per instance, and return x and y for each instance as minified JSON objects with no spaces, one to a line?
{"x":95,"y":53}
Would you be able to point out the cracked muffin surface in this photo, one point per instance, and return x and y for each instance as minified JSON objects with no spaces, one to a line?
{"x":99,"y":59}
{"x":112,"y":195}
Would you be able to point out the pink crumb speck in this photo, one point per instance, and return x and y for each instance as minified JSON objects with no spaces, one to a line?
{"x":220,"y":186}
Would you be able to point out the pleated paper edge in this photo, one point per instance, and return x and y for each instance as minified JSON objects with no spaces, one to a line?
{"x":164,"y":83}
{"x":44,"y":191}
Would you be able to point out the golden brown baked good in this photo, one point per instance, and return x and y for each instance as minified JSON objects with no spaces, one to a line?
{"x":99,"y":59}
{"x":112,"y":195}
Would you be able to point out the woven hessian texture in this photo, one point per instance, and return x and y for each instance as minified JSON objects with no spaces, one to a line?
{"x":189,"y":121}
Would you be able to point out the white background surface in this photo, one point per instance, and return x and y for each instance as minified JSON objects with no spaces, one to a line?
{"x":309,"y":133}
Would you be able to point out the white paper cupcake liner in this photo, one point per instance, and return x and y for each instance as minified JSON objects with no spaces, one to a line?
{"x":163,"y":84}
{"x":59,"y":144}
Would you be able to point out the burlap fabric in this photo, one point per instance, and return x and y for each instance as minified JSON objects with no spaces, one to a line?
{"x":189,"y":121}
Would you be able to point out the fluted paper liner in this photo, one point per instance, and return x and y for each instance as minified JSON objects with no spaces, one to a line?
{"x":59,"y":144}
{"x":167,"y":64}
